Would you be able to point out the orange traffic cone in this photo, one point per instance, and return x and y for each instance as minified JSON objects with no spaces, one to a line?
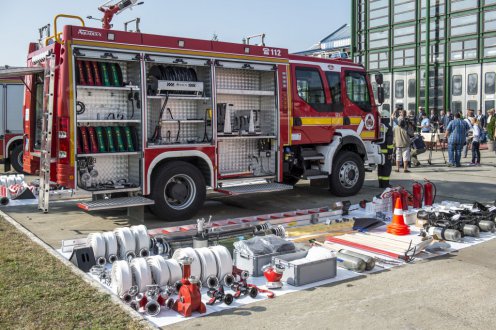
{"x":397,"y":226}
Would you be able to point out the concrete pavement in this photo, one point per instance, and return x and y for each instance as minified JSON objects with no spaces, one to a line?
{"x":453,"y":291}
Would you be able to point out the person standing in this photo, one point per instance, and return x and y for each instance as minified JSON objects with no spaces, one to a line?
{"x":456,"y":133}
{"x":425,"y":124}
{"x":490,"y":130}
{"x":442,"y":122}
{"x":476,"y":155}
{"x":481,"y":118}
{"x":384,"y":171}
{"x":402,"y":144}
{"x":468,"y":138}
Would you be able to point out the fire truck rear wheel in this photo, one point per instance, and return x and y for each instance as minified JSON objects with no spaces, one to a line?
{"x":178,"y":190}
{"x":16,"y":158}
{"x":348,"y":174}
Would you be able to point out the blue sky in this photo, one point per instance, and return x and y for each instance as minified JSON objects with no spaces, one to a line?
{"x":288,"y":23}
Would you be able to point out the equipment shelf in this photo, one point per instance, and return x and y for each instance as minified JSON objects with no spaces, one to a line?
{"x":103,"y":154}
{"x":247,"y":92}
{"x":182,"y":121}
{"x":233,"y":137}
{"x":176,"y":97}
{"x":107,"y":121}
{"x":110,"y":88}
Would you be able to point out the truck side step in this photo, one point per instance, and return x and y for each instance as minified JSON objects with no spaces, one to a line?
{"x":115,"y":203}
{"x":311,"y":154}
{"x":254,"y":188}
{"x":314,"y":174}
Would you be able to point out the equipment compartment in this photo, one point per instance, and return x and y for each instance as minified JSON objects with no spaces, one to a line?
{"x":179,"y":101}
{"x":108,"y":120}
{"x":246,"y":119}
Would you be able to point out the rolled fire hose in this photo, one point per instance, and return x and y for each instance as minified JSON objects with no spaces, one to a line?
{"x":176,"y":272}
{"x":110,"y":246}
{"x":190,"y":253}
{"x":159,"y":269}
{"x":97,"y":243}
{"x":142,"y":240}
{"x":141,"y":273}
{"x":126,"y":243}
{"x":369,"y":261}
{"x":121,"y":279}
{"x":208,"y":263}
{"x":224,"y":260}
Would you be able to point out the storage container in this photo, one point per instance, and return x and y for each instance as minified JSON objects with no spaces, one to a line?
{"x":307,"y":272}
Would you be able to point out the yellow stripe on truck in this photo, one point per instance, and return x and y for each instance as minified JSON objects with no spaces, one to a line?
{"x":367,"y":135}
{"x":355,"y":120}
{"x":321,"y":121}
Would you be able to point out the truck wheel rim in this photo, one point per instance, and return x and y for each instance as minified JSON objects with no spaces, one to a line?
{"x":348,"y":174}
{"x":180,"y":192}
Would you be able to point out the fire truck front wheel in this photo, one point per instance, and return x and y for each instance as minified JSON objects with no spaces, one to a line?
{"x":178,"y":190}
{"x":16,"y":158}
{"x":348,"y":174}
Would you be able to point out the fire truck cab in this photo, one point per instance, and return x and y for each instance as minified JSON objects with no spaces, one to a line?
{"x":160,"y":119}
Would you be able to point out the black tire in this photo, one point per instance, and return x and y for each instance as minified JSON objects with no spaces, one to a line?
{"x":290,"y":180}
{"x":348,"y":174}
{"x":16,"y":158}
{"x":178,"y":190}
{"x":253,"y":292}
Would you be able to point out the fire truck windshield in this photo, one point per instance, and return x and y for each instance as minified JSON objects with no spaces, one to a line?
{"x":357,"y":89}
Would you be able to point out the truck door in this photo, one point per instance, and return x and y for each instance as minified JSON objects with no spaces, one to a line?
{"x":316,"y":112}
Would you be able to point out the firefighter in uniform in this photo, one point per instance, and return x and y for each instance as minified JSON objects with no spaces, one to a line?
{"x":387,"y":148}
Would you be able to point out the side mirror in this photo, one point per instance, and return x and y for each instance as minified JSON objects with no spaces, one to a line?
{"x":380,"y":94}
{"x":379,"y":79}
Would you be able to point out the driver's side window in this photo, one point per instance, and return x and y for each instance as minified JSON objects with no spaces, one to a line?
{"x":310,"y":86}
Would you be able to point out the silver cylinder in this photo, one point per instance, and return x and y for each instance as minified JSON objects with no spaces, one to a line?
{"x":487,"y":226}
{"x":350,"y":262}
{"x":448,"y":235}
{"x":369,"y":261}
{"x":471,"y":230}
{"x":144,"y":253}
{"x":199,"y":242}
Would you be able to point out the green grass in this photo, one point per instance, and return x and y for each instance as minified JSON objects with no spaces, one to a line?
{"x":39,"y":292}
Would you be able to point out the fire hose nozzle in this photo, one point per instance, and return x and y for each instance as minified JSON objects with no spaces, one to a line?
{"x":144,"y":253}
{"x":127,"y":298}
{"x":212,"y":282}
{"x":112,"y":258}
{"x":101,"y":261}
{"x":228,"y":280}
{"x":152,"y":308}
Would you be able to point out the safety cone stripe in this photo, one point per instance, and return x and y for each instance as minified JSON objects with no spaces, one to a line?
{"x":398,"y":212}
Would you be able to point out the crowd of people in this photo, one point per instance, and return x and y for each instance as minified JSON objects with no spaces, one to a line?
{"x":459,"y":133}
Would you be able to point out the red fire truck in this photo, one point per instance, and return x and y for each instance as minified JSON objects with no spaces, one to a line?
{"x":11,"y":100}
{"x":141,"y":119}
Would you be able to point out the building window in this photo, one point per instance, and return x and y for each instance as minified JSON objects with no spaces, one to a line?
{"x":463,"y":25}
{"x":456,"y":107}
{"x":472,"y":105}
{"x":457,"y":5}
{"x":463,"y":50}
{"x":404,"y":10}
{"x":490,"y":47}
{"x":456,"y":85}
{"x":472,"y":84}
{"x":437,"y":8}
{"x":378,"y":60}
{"x":436,"y":53}
{"x":489,"y":2}
{"x":412,"y":88}
{"x":437,"y":30}
{"x":310,"y":86}
{"x":378,"y":39}
{"x":399,"y":89}
{"x":404,"y":57}
{"x":387,"y":89}
{"x":404,"y":35}
{"x":378,"y":13}
{"x":490,"y":21}
{"x":488,"y":105}
{"x":489,"y":85}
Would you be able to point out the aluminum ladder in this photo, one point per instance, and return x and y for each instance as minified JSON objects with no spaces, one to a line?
{"x":46,"y":135}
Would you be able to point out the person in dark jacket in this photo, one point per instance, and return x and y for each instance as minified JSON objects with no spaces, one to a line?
{"x":387,"y":148}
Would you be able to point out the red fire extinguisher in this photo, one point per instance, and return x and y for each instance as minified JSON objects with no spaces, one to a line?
{"x":417,"y":190}
{"x":395,"y":194}
{"x":430,"y":192}
{"x":404,"y":198}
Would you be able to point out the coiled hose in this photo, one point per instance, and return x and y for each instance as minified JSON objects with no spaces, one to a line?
{"x":159,"y":269}
{"x":110,"y":246}
{"x":142,"y":276}
{"x":142,"y":240}
{"x":126,"y":243}
{"x":97,"y":244}
{"x":121,"y":278}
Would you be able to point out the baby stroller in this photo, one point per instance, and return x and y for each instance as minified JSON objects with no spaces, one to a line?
{"x":418,"y":147}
